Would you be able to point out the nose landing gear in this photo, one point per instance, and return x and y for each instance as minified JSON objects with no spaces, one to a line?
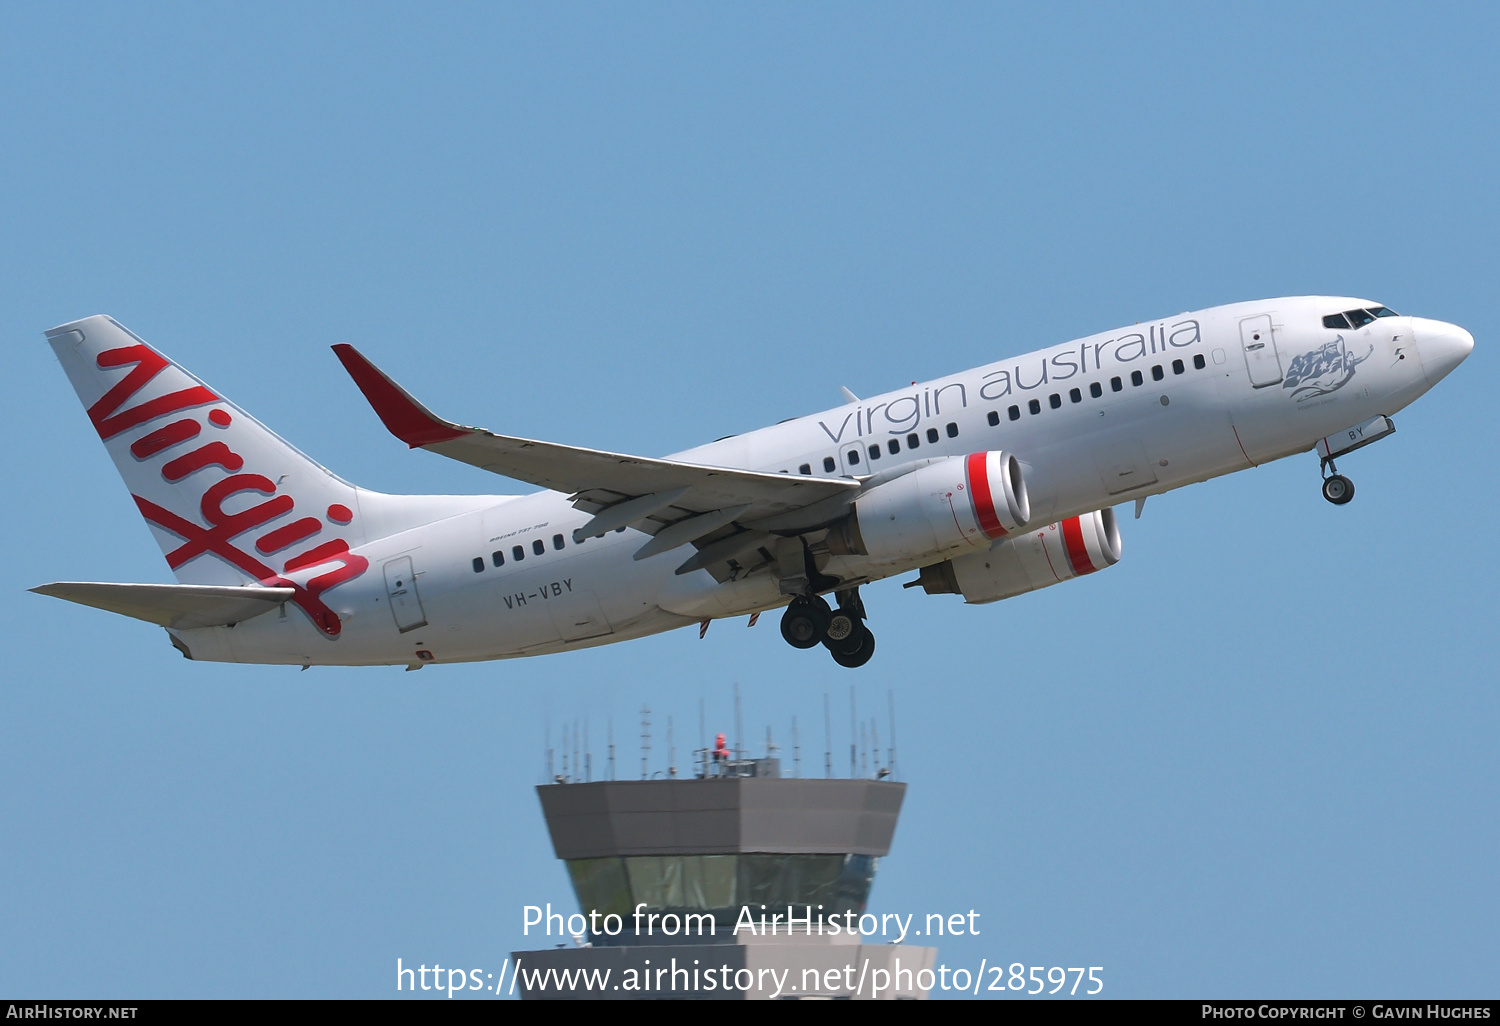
{"x":1337,"y":488}
{"x":809,"y":622}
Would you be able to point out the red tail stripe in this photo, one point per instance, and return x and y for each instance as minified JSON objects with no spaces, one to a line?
{"x":979,"y":494}
{"x":164,"y":438}
{"x":198,"y":541}
{"x":214,"y":454}
{"x":286,"y":537}
{"x":148,"y":364}
{"x":321,"y":554}
{"x":1078,"y":550}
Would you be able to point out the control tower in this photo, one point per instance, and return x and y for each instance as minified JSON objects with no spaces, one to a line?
{"x":687,"y":885}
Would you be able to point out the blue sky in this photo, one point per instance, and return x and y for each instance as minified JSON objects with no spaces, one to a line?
{"x":1255,"y":758}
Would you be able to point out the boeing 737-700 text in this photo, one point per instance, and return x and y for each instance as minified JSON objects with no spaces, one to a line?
{"x":988,"y":484}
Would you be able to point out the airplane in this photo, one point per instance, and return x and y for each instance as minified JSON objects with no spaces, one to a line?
{"x":987,"y":484}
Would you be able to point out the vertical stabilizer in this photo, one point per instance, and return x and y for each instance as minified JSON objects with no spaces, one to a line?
{"x":228,"y":501}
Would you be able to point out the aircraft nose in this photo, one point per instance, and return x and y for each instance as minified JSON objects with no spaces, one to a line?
{"x":1441,"y":346}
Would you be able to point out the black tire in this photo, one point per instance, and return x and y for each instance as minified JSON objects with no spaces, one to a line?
{"x":805,"y":623}
{"x":860,"y":654}
{"x":1338,"y":489}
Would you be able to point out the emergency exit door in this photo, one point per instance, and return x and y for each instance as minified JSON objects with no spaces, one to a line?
{"x":401,"y":590}
{"x":1262,"y":360}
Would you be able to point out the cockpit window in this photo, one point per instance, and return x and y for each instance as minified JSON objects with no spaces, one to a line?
{"x":1357,"y":318}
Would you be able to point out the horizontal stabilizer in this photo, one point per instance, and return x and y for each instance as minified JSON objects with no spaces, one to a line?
{"x":173,"y":605}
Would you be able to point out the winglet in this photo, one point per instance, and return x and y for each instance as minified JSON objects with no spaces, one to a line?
{"x":402,"y":415}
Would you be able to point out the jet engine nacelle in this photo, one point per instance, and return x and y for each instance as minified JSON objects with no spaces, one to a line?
{"x":962,"y":501}
{"x":1029,"y":560}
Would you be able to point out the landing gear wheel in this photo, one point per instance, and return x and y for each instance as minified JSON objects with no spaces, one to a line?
{"x":841,"y":625}
{"x":805,"y":622}
{"x":1338,"y":489}
{"x":858,"y":653}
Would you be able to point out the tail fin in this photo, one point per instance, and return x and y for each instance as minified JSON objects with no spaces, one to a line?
{"x":228,"y":501}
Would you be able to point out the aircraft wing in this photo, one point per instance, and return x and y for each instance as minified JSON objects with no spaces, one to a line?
{"x":173,"y":605}
{"x":653,"y":494}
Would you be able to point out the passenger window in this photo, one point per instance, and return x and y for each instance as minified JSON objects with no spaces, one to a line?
{"x":498,"y":557}
{"x":874,"y":452}
{"x":1014,"y":412}
{"x":478,"y":564}
{"x":1136,"y":377}
{"x":932,"y":436}
{"x":1096,"y":389}
{"x":806,"y":468}
{"x":1335,"y":321}
{"x":853,"y":457}
{"x":993,"y":418}
{"x":829,"y":463}
{"x":557,"y":542}
{"x":1198,"y":361}
{"x":1178,"y":367}
{"x":1358,"y":318}
{"x":538,"y":547}
{"x":517,"y":553}
{"x":894,"y":445}
{"x":1075,"y":395}
{"x":1114,"y":384}
{"x":1034,"y":406}
{"x":953,"y":429}
{"x":912,"y":441}
{"x":1055,"y":401}
{"x":1157,"y":373}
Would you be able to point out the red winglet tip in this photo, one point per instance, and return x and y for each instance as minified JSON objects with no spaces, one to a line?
{"x":402,"y":415}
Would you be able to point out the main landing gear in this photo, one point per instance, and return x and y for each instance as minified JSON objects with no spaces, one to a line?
{"x":809,"y":622}
{"x":1337,"y":488}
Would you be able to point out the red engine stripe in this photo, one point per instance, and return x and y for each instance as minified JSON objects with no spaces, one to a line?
{"x":979,"y":495}
{"x":1078,"y":552}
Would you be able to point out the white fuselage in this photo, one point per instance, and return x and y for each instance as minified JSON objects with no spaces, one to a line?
{"x":1196,"y":413}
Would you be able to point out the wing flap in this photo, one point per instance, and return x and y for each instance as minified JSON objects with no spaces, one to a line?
{"x":182,"y":606}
